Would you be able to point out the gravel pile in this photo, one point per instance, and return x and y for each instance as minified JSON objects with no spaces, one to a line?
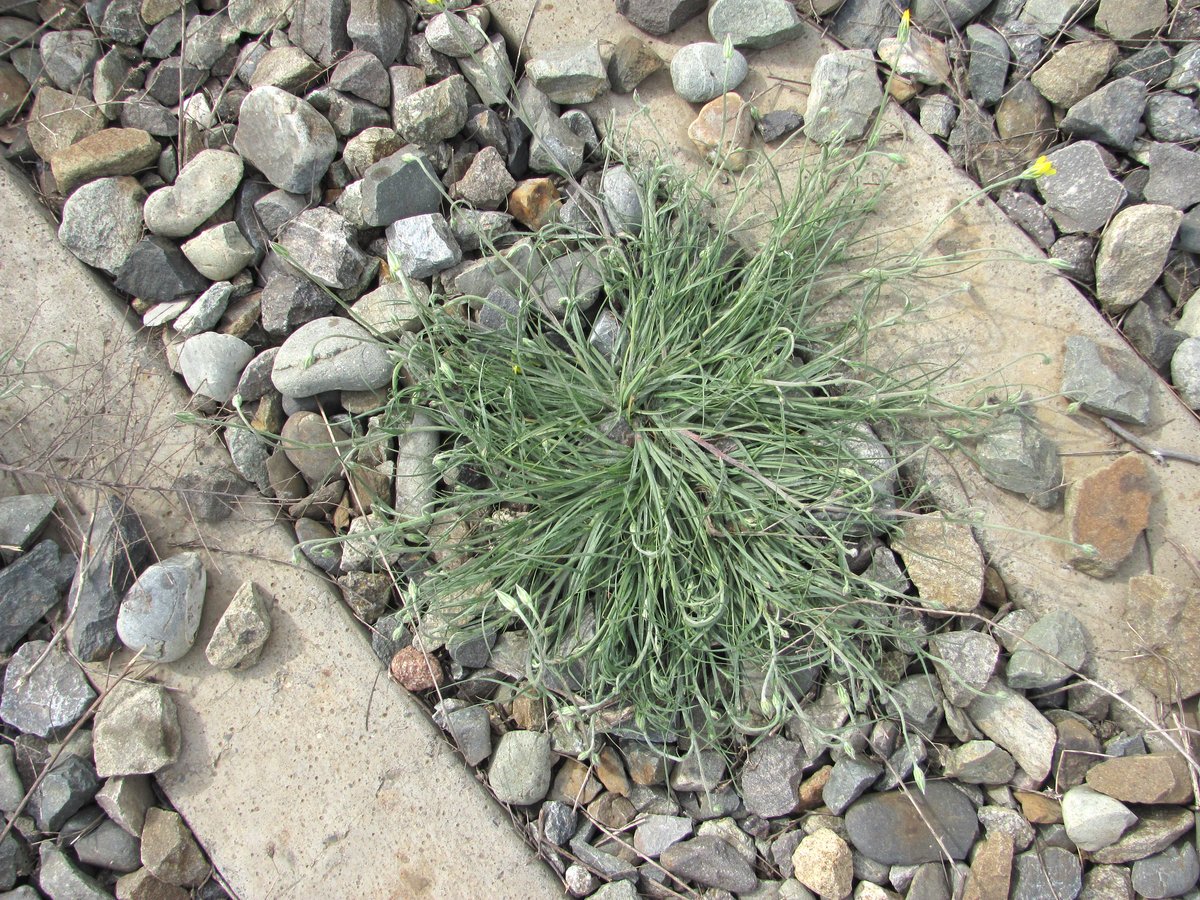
{"x":232,"y":167}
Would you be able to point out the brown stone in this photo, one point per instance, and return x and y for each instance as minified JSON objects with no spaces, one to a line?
{"x":529,"y":713}
{"x":1074,"y":71}
{"x":611,"y":772}
{"x":1152,"y":778}
{"x":991,"y":869}
{"x":113,"y":151}
{"x":722,"y":131}
{"x":241,"y":315}
{"x":14,"y":89}
{"x":632,"y":63}
{"x":1167,"y":636}
{"x":141,"y":885}
{"x":1077,"y":750}
{"x":574,"y":783}
{"x":1038,"y":808}
{"x":809,"y":792}
{"x":944,"y":562}
{"x":534,"y":202}
{"x":416,"y":670}
{"x":1107,"y":512}
{"x":170,"y":852}
{"x":58,"y":120}
{"x":646,"y":765}
{"x":612,"y":811}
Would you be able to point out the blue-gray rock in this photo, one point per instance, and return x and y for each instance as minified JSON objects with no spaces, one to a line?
{"x":389,"y":634}
{"x":759,"y":24}
{"x":848,"y":780}
{"x":554,"y":148}
{"x":161,"y":612}
{"x":68,"y":56}
{"x":710,"y":862}
{"x":157,"y":270}
{"x":557,"y":822}
{"x":276,"y":209}
{"x":701,"y":72}
{"x":489,"y":72}
{"x":1111,"y":115}
{"x":330,"y":354}
{"x":1174,"y":176}
{"x":399,"y":186}
{"x":59,"y":877}
{"x":778,"y":124}
{"x":350,"y":115}
{"x":572,"y":280}
{"x":659,"y":16}
{"x":1094,"y":821}
{"x":520,"y":769}
{"x":1081,"y":195}
{"x":1185,"y":371}
{"x":918,"y":698}
{"x":1171,"y":873}
{"x":891,"y":828}
{"x":1150,"y":65}
{"x":1185,"y":70}
{"x":248,"y":451}
{"x":1047,"y":872}
{"x":319,"y":27}
{"x":844,"y":98}
{"x":469,"y":726}
{"x":259,"y":16}
{"x":1012,"y":722}
{"x":289,"y":301}
{"x":256,"y":377}
{"x":987,"y":70}
{"x":607,"y":864}
{"x":862,"y":24}
{"x":1107,"y":381}
{"x":323,"y":246}
{"x":206,"y":311}
{"x":570,"y":73}
{"x":380,"y":27}
{"x":212,"y":363}
{"x":48,"y":699}
{"x":771,"y":776}
{"x":12,"y":789}
{"x":1150,"y":326}
{"x":63,"y":791}
{"x":964,"y":662}
{"x":102,"y":222}
{"x":432,"y":114}
{"x":285,"y":138}
{"x":108,"y":846}
{"x":362,"y":74}
{"x":210,"y":492}
{"x":1054,"y":647}
{"x":1172,"y":117}
{"x":979,"y":762}
{"x":944,"y":16}
{"x":423,"y":245}
{"x":33,"y":585}
{"x":1016,"y":455}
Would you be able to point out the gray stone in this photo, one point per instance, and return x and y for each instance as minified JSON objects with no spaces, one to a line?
{"x":287,"y":302}
{"x":918,"y":699}
{"x":63,"y":791}
{"x":288,"y":68}
{"x":520,"y":769}
{"x":1185,"y":70}
{"x":701,"y":72}
{"x":32,"y":585}
{"x":350,"y":115}
{"x":657,"y":832}
{"x":423,"y":245}
{"x":1081,"y":195}
{"x":471,"y":729}
{"x":1049,"y":16}
{"x":58,"y":119}
{"x":1012,"y":722}
{"x":1048,"y":872}
{"x":617,"y":890}
{"x":60,"y":879}
{"x":945,"y":17}
{"x":259,"y":16}
{"x":863,"y":24}
{"x":570,"y":73}
{"x":1185,"y":371}
{"x":206,"y":311}
{"x":157,"y":270}
{"x":1018,"y":456}
{"x":206,"y":39}
{"x":392,"y":308}
{"x":323,"y":245}
{"x":362,"y":74}
{"x":848,"y":781}
{"x":1107,"y":883}
{"x":771,"y":776}
{"x":1052,"y":650}
{"x":454,"y":35}
{"x":844,"y":98}
{"x":400,"y":186}
{"x":979,"y":762}
{"x":107,"y":846}
{"x":277,"y":208}
{"x":68,"y":57}
{"x":150,"y":116}
{"x":432,"y":114}
{"x":285,"y":138}
{"x":205,"y":183}
{"x":330,"y":354}
{"x":1111,"y":115}
{"x":938,"y":113}
{"x":778,"y":124}
{"x":367,"y":148}
{"x":699,"y":770}
{"x":1172,"y":117}
{"x":1008,"y":822}
{"x":12,"y":790}
{"x":248,"y":452}
{"x":964,"y":662}
{"x":759,"y":24}
{"x":136,"y":733}
{"x":319,"y":27}
{"x":388,"y":634}
{"x":1074,"y":253}
{"x":209,"y":492}
{"x":891,"y":828}
{"x":117,"y":549}
{"x":486,"y":184}
{"x":572,"y":280}
{"x":1094,"y":821}
{"x":710,"y":862}
{"x":1159,"y":827}
{"x":1029,"y":214}
{"x":489,"y":72}
{"x":102,"y":222}
{"x":608,"y":865}
{"x":314,"y":446}
{"x":987,"y":70}
{"x":219,"y":253}
{"x":1151,"y":65}
{"x":659,"y":16}
{"x":379,"y":27}
{"x":1106,"y":381}
{"x":170,"y":852}
{"x":212,"y":363}
{"x":125,"y":800}
{"x":161,"y":612}
{"x":242,"y":631}
{"x":48,"y":699}
{"x":555,"y":149}
{"x":1174,"y":176}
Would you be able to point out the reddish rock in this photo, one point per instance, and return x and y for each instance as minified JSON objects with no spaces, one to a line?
{"x":811,"y":789}
{"x":1038,"y":808}
{"x":722,"y":131}
{"x":113,"y":151}
{"x":611,"y":772}
{"x":534,"y":202}
{"x":574,"y":784}
{"x":1106,"y":512}
{"x":1152,"y":778}
{"x":417,"y":670}
{"x":991,"y":869}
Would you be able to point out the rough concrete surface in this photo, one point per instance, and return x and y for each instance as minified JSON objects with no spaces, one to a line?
{"x":311,"y":774}
{"x":1002,"y":321}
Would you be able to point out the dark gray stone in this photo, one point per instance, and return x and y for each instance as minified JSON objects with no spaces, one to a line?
{"x":889,"y":829}
{"x":287,"y":302}
{"x":59,"y":877}
{"x":771,"y":776}
{"x":48,"y":699}
{"x":157,"y":270}
{"x":384,"y":640}
{"x":1018,"y":456}
{"x":209,"y":493}
{"x":1076,"y":254}
{"x":256,"y":377}
{"x":150,"y":116}
{"x":351,"y":115}
{"x":1029,"y":214}
{"x":362,"y":74}
{"x":759,"y":24}
{"x":659,"y":16}
{"x":1150,"y":65}
{"x":276,"y":209}
{"x":1050,"y":872}
{"x":944,"y":16}
{"x":778,"y":124}
{"x":108,"y":846}
{"x":32,"y":586}
{"x":557,"y":821}
{"x":919,"y":700}
{"x":173,"y":78}
{"x":380,"y":27}
{"x":319,"y":28}
{"x":979,"y":762}
{"x":1172,"y":117}
{"x":710,"y":862}
{"x":864,"y":23}
{"x":1054,"y":647}
{"x":402,"y":185}
{"x":117,"y":549}
{"x":206,"y":39}
{"x":1106,"y":381}
{"x":1174,"y":176}
{"x":64,"y":790}
{"x":471,"y":729}
{"x":987,"y":70}
{"x":848,"y":781}
{"x":1185,"y":68}
{"x":324,"y":246}
{"x":608,"y":865}
{"x":311,"y":536}
{"x":1111,"y":115}
{"x":699,"y":770}
{"x":1081,"y":195}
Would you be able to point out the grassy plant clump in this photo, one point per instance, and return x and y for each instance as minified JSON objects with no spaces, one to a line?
{"x":673,"y":517}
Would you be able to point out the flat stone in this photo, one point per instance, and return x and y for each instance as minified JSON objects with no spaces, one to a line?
{"x":844,"y":98}
{"x":979,"y":762}
{"x":1094,"y":821}
{"x":242,"y":631}
{"x":891,"y":827}
{"x":398,"y":187}
{"x":161,"y":613}
{"x":57,"y":120}
{"x":699,"y":770}
{"x":170,"y":852}
{"x":520,"y":769}
{"x":1111,"y":115}
{"x":125,"y":799}
{"x":701,"y":72}
{"x":658,"y":832}
{"x":248,"y":451}
{"x":63,"y":790}
{"x":1053,"y":649}
{"x":822,"y":863}
{"x":156,"y":270}
{"x":571,"y":73}
{"x":920,"y":59}
{"x":999,"y":821}
{"x":285,"y":138}
{"x":944,"y":562}
{"x":1127,"y":20}
{"x":33,"y":584}
{"x":1169,"y":633}
{"x":432,"y":114}
{"x":771,"y":776}
{"x":1151,"y":778}
{"x":1107,"y":883}
{"x":1174,"y":172}
{"x":1081,"y":195}
{"x":210,"y":492}
{"x":108,"y":846}
{"x":392,"y":308}
{"x":113,"y":151}
{"x":1017,"y":455}
{"x":1185,"y":371}
{"x":330,"y":354}
{"x":1078,"y":748}
{"x":710,"y":862}
{"x":1074,"y":71}
{"x":1012,"y":722}
{"x":1171,"y":873}
{"x":289,"y":301}
{"x":1157,"y":829}
{"x":1106,"y":381}
{"x":212,"y":363}
{"x":1106,"y":512}
{"x":964,"y":662}
{"x":314,"y":446}
{"x":945,"y":17}
{"x":59,"y":877}
{"x":471,"y":729}
{"x":659,"y":16}
{"x":1049,"y":872}
{"x":1133,"y":252}
{"x":48,"y":699}
{"x":202,"y":187}
{"x":423,"y":245}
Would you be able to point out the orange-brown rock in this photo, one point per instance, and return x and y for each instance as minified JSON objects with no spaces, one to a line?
{"x":1106,"y":512}
{"x":1152,"y":778}
{"x":574,"y":783}
{"x":534,"y":202}
{"x":991,"y":869}
{"x":1038,"y":808}
{"x":416,"y":670}
{"x":809,"y":792}
{"x":722,"y":131}
{"x":611,"y":772}
{"x":113,"y":151}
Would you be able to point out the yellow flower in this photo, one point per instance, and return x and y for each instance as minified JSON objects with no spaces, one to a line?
{"x":517,"y":369}
{"x":1040,"y":167}
{"x":905,"y":25}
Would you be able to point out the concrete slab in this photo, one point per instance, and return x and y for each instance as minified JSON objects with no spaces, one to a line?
{"x":1002,"y":321}
{"x":311,"y":774}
